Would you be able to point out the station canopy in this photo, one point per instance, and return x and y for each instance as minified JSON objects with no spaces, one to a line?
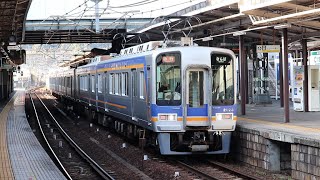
{"x":12,"y":18}
{"x":221,"y":21}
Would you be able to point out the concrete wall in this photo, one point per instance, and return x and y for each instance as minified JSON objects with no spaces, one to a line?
{"x":261,"y":151}
{"x":305,"y":162}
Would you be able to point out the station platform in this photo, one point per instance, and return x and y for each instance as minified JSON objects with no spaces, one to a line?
{"x":271,"y":117}
{"x":21,"y":155}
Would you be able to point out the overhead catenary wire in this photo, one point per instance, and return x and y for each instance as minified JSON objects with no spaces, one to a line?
{"x":78,"y":13}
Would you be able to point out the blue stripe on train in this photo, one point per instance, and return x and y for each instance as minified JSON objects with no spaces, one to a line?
{"x":165,"y":109}
{"x":203,"y":111}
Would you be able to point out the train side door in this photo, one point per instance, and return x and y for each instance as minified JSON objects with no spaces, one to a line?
{"x":106,"y":89}
{"x":98,"y":89}
{"x":139,"y":95}
{"x":198,"y":106}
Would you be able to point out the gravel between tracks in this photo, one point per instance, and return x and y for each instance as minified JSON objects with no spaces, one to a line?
{"x":156,"y":167}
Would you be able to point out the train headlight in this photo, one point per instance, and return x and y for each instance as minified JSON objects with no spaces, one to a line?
{"x":224,"y":116}
{"x":167,"y":117}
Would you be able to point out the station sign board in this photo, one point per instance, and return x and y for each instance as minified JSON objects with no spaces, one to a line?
{"x":268,"y":48}
{"x":315,"y":58}
{"x":14,"y":48}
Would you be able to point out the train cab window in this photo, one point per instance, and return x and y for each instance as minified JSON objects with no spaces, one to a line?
{"x":168,"y":79}
{"x":92,"y":83}
{"x":141,"y":85}
{"x":223,"y":79}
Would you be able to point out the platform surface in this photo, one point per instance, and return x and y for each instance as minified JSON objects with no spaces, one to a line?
{"x":6,"y":172}
{"x":270,"y":118}
{"x":27,"y":159}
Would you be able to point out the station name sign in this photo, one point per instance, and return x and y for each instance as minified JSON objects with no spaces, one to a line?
{"x":268,"y":48}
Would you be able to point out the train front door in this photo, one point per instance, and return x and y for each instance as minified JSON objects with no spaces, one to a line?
{"x":198,"y":105}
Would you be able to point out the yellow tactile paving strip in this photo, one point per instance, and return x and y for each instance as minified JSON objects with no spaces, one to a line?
{"x":281,"y":125}
{"x":6,"y":172}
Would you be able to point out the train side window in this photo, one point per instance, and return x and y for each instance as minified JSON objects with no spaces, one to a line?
{"x":92,"y":83}
{"x":141,"y":85}
{"x":86,"y":79}
{"x":106,"y":82}
{"x":134,"y":83}
{"x":78,"y":82}
{"x":116,"y":84}
{"x":111,"y":83}
{"x":81,"y":83}
{"x":125,"y":83}
{"x":119,"y":84}
{"x":99,"y":83}
{"x":69,"y":82}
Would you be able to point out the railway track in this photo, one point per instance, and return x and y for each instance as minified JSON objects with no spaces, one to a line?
{"x":98,"y":169}
{"x":215,"y":170}
{"x":198,"y":169}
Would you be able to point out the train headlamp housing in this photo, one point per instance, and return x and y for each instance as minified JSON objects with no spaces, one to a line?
{"x":167,"y":117}
{"x":224,"y":116}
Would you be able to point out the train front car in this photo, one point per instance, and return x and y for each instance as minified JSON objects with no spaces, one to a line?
{"x":193,"y":105}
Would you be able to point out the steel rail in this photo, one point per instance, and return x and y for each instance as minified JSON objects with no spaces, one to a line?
{"x":219,"y":166}
{"x":207,"y":176}
{"x":65,"y":172}
{"x":234,"y":171}
{"x":93,"y":164}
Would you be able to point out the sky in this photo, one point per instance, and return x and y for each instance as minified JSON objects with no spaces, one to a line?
{"x":45,"y":9}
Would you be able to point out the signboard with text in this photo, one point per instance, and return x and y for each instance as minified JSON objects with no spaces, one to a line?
{"x":268,"y":48}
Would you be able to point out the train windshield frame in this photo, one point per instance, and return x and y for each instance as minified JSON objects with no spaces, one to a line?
{"x":168,"y":79}
{"x":222,"y":66}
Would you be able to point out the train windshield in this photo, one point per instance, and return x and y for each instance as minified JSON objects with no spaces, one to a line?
{"x":168,"y":76}
{"x":223,"y":79}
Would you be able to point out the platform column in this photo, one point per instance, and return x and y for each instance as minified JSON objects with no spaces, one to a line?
{"x":246,"y":74}
{"x":243,"y":72}
{"x":281,"y":78}
{"x":1,"y":84}
{"x":285,"y":74}
{"x":305,"y":69}
{"x":5,"y":83}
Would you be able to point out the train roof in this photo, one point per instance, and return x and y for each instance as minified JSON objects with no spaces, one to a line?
{"x":150,"y":48}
